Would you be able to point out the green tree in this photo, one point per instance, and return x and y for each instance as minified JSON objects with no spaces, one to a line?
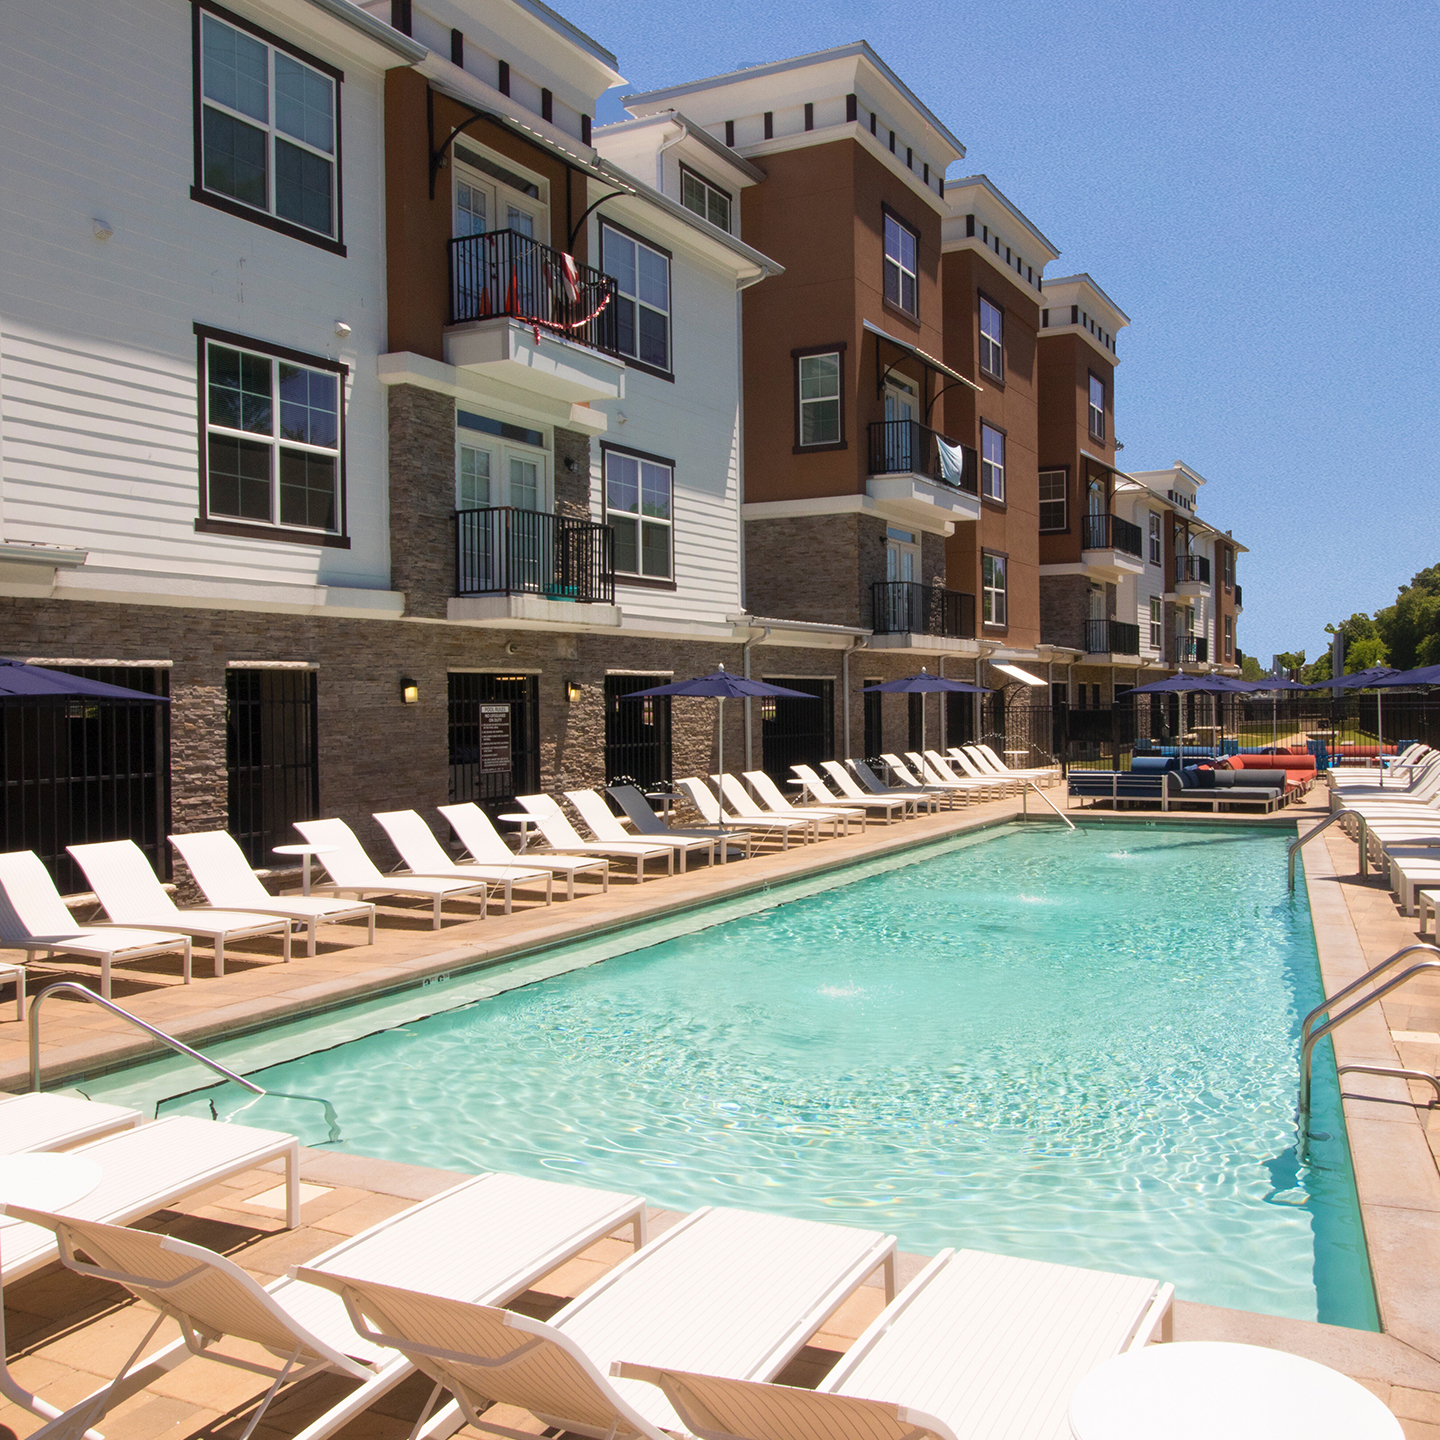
{"x":1250,"y":669}
{"x":1410,"y":627}
{"x":1290,"y":660}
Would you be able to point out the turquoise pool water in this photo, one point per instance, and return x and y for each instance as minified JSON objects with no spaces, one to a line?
{"x":1080,"y":1047}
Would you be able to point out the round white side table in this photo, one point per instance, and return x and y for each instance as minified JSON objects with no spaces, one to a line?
{"x":1213,"y":1390}
{"x":305,"y":852}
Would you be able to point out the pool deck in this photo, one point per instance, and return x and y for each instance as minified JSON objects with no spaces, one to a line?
{"x":63,"y":1330}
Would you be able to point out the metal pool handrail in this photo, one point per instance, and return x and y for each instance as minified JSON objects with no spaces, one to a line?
{"x":1307,"y":1047}
{"x":1344,"y":994}
{"x":114,"y":1009}
{"x":1294,"y":847}
{"x":1047,"y":800}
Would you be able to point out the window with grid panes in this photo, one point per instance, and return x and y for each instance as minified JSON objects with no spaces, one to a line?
{"x":708,"y":201}
{"x":267,"y":128}
{"x":1054,"y":506}
{"x":902,"y":265}
{"x":819,"y":398}
{"x":994,"y":592}
{"x":992,"y":462}
{"x":638,"y":507}
{"x":1097,"y":407}
{"x":992,"y":339}
{"x":272,"y":440}
{"x":1157,"y":619}
{"x":642,"y":282}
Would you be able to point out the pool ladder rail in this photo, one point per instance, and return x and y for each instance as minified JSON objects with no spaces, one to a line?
{"x":1311,"y":1034}
{"x":1294,"y":848}
{"x":332,"y":1119}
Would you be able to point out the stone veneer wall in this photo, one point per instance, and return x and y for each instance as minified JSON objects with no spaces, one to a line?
{"x":378,"y":754}
{"x":572,"y":474}
{"x":422,"y":498}
{"x":807,"y":567}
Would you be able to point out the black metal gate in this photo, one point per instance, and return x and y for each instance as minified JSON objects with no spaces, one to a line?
{"x":637,"y":732}
{"x":271,"y":748}
{"x":480,"y":777}
{"x":959,"y":719}
{"x":797,"y":732}
{"x":874,"y":731}
{"x":80,"y":769}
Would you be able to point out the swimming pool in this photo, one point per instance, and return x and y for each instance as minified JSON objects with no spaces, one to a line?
{"x":1079,"y":1047}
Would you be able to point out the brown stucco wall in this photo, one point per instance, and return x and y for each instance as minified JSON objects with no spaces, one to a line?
{"x":417,"y":228}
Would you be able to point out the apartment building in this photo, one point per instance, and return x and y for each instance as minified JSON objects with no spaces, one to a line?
{"x":315,"y":418}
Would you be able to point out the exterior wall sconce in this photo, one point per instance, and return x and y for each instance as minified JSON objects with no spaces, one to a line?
{"x":572,"y":690}
{"x":409,"y":692}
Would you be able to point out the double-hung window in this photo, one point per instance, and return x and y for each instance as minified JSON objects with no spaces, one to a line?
{"x":992,"y":463}
{"x":992,"y":339}
{"x":1054,"y":501}
{"x":993,"y":590}
{"x":902,"y":266}
{"x":642,"y":280}
{"x":817,"y":390}
{"x":268,"y":140}
{"x":271,"y":448}
{"x":1097,"y":407}
{"x":1157,"y":556}
{"x":708,"y":201}
{"x":639,"y":507}
{"x":1229,"y":637}
{"x":1157,"y":620}
{"x":1229,"y":566}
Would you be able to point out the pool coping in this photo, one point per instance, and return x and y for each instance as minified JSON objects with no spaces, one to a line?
{"x":1396,"y":1180}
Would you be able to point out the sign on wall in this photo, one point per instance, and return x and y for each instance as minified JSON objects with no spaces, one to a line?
{"x":494,"y":739}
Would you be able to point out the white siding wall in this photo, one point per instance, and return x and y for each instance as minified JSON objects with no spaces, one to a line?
{"x":98,"y":405}
{"x":694,"y":421}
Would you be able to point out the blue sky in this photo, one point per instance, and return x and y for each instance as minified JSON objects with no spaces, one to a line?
{"x":1255,"y":185}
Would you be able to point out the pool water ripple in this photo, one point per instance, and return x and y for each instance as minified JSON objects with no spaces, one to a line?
{"x":1045,"y":1045}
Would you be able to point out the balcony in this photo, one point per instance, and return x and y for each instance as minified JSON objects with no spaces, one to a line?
{"x":914,"y":482}
{"x":1239,"y":603}
{"x":1110,"y":548}
{"x":1191,"y":650}
{"x":905,"y":607}
{"x":505,"y":290}
{"x":516,"y":566}
{"x":1111,"y":637}
{"x":1192,"y":575}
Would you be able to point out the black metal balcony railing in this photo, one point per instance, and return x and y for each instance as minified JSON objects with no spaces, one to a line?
{"x":1191,"y":649}
{"x":905,"y":607}
{"x":507,"y":273}
{"x":1109,"y":532}
{"x":1239,"y":605}
{"x":1195,"y":568}
{"x":1111,"y":637}
{"x":906,"y":447}
{"x":504,"y":551}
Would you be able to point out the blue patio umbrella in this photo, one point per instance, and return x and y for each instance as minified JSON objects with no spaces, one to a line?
{"x":18,"y":678}
{"x":722,"y":686}
{"x":1364,"y":680}
{"x":925,"y":684}
{"x":1211,"y":685}
{"x":1425,"y":675}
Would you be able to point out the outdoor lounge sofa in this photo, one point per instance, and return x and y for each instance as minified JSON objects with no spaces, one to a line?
{"x":1170,"y":789}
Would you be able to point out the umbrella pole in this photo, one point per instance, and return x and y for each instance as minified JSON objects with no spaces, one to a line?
{"x":721,"y":743}
{"x":1380,"y":732}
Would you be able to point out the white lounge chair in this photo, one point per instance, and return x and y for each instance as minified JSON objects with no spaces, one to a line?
{"x":10,"y":973}
{"x":647,"y":822}
{"x":845,"y":783}
{"x":38,"y":1121}
{"x":725,"y":1291}
{"x":424,"y":855}
{"x":904,"y":781}
{"x":607,"y":829}
{"x":977,"y":1345}
{"x":821,"y":794}
{"x":739,"y":799}
{"x":933,"y":765}
{"x":224,"y":875}
{"x":1039,"y":773}
{"x":712,"y":812}
{"x":488,"y":1238}
{"x":35,"y":919}
{"x":552,"y":823}
{"x":770,"y":795}
{"x":353,"y":872}
{"x":921,"y":778}
{"x":121,"y":876}
{"x":486,"y":846}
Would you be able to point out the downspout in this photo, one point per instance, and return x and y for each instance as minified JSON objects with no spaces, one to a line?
{"x":660,"y":155}
{"x":749,"y":742}
{"x":742,"y":285}
{"x":859,"y":643}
